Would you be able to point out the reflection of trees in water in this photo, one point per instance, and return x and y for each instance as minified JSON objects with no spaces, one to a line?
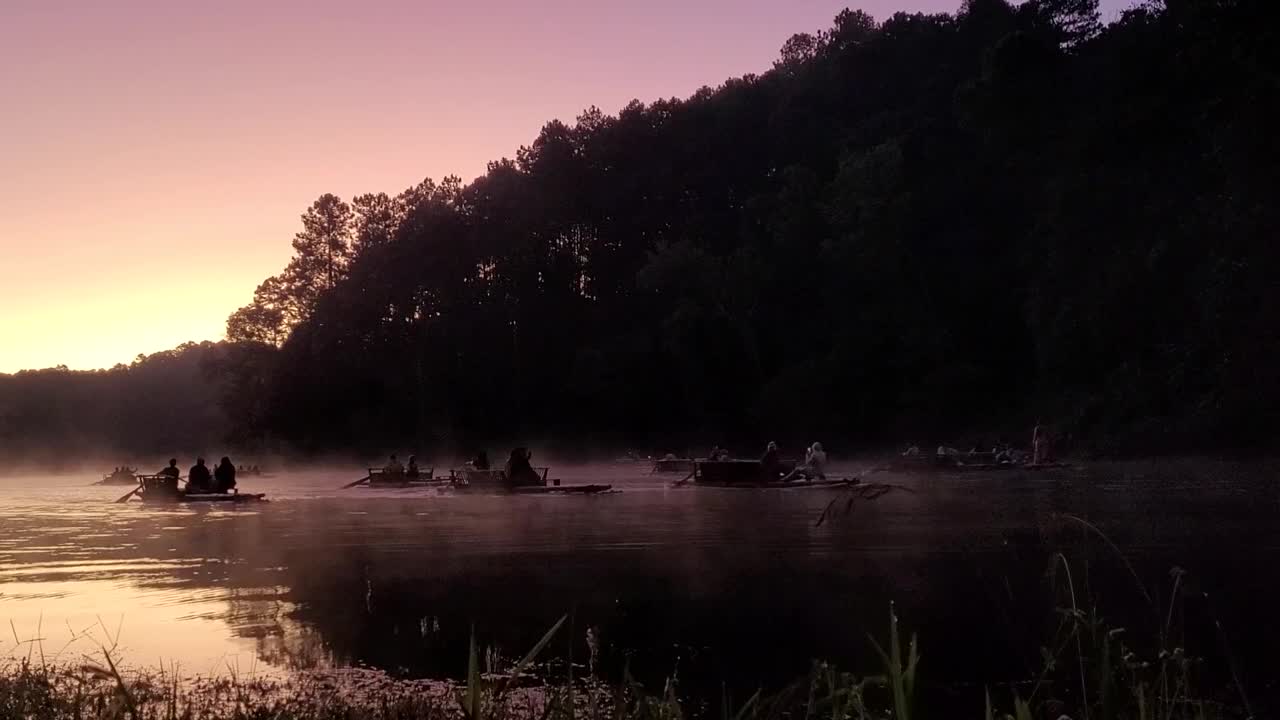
{"x":264,"y":615}
{"x":296,"y":647}
{"x":743,"y":593}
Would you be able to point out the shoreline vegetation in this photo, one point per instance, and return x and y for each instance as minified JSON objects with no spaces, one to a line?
{"x":1089,"y":669}
{"x":1089,"y":672}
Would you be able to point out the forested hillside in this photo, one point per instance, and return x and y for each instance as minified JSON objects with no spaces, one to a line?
{"x":926,"y":225}
{"x":179,"y":401}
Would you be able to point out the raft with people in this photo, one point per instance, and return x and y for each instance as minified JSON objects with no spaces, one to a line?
{"x":120,"y":476}
{"x":497,"y":481}
{"x":669,"y":463}
{"x":382,"y":478}
{"x":518,"y":476}
{"x":1002,"y":458}
{"x":397,"y":475}
{"x":164,"y":493}
{"x":218,"y":486}
{"x":770,"y":471}
{"x":951,"y":460}
{"x":186,"y":497}
{"x":751,"y":474}
{"x":254,"y":471}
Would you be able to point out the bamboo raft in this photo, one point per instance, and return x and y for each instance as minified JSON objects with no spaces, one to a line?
{"x":471,"y":480}
{"x":164,"y":489}
{"x":833,"y":484}
{"x":123,"y":476}
{"x":496,"y":481}
{"x":379,"y":477}
{"x":965,"y":462}
{"x":186,"y":497}
{"x":750,"y":474}
{"x":561,"y":489}
{"x":673,"y":465}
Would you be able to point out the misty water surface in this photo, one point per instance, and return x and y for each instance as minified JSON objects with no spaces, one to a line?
{"x":719,"y":585}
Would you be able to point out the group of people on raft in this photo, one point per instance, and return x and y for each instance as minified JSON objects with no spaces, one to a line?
{"x":518,"y":470}
{"x":200,"y":480}
{"x":999,"y":453}
{"x":773,"y":467}
{"x":395,"y":467}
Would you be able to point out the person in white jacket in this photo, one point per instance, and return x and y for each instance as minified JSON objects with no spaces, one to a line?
{"x":814,"y":467}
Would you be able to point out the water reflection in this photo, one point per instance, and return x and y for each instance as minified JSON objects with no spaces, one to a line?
{"x":721,"y":584}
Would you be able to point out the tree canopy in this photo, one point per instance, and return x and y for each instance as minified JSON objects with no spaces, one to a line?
{"x":923,"y":224}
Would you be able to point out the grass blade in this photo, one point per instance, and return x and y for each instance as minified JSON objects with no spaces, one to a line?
{"x":531,"y":655}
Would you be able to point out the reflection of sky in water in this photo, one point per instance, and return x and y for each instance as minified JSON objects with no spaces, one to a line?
{"x":76,"y":618}
{"x":80,"y":573}
{"x":742,"y":581}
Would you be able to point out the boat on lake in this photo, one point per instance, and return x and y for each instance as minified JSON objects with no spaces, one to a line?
{"x":751,"y":474}
{"x":469,"y":479}
{"x":120,"y":476}
{"x":673,"y":464}
{"x":966,"y":462}
{"x":382,"y":478}
{"x":221,"y":498}
{"x":164,"y":489}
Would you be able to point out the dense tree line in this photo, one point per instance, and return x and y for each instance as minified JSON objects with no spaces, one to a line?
{"x":175,"y":401}
{"x":932,"y":223}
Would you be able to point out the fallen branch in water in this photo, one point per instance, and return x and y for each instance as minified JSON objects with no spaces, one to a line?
{"x":858,"y":491}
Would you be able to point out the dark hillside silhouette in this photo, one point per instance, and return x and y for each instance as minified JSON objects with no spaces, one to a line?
{"x":910,"y":226}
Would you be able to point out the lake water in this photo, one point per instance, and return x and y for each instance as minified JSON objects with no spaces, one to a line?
{"x":733,"y":586}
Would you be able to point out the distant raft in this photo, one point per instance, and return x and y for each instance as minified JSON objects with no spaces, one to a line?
{"x":120,"y":476}
{"x":495,"y":481}
{"x":403,"y":478}
{"x":957,"y":462}
{"x":751,"y":474}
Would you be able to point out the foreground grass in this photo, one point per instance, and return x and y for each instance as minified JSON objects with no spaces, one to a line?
{"x":1089,"y":673}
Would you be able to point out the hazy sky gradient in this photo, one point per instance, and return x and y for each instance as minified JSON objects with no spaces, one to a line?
{"x":156,"y":154}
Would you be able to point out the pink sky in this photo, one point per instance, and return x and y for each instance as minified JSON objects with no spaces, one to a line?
{"x":157,"y":153}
